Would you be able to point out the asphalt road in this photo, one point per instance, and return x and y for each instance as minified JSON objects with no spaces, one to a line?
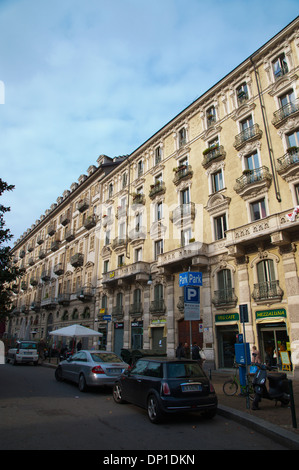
{"x":38,"y":413}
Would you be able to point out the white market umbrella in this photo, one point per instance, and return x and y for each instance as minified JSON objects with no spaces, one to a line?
{"x":75,"y":330}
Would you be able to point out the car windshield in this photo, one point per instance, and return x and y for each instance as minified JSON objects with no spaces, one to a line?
{"x":105,"y":357}
{"x":28,"y":346}
{"x":181,"y":370}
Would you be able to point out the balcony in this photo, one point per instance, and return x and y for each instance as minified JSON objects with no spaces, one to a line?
{"x":63,"y":299}
{"x":247,"y":135}
{"x":157,"y":188}
{"x":90,"y":222}
{"x":31,"y":261}
{"x":49,"y":303}
{"x":184,"y":213}
{"x":69,"y":235}
{"x":85,"y":294}
{"x":192,"y":254}
{"x":83,"y":205}
{"x":224,"y":298}
{"x":42,"y":254}
{"x":24,"y":285}
{"x":45,"y":276}
{"x":118,"y":311}
{"x":288,"y":164}
{"x":30,"y":248}
{"x":51,"y":229}
{"x":24,"y":308}
{"x":290,"y":109}
{"x":40,"y":239}
{"x":253,"y":180}
{"x":58,"y":269}
{"x":213,"y":154}
{"x":119,"y":242}
{"x":133,"y":272}
{"x":136,"y":309}
{"x":35,"y":306}
{"x":138,"y":199}
{"x":55,"y":245}
{"x":22,"y":254}
{"x":77,"y":260}
{"x":157,"y":307}
{"x":64,"y":220}
{"x":267,"y":292}
{"x":182,"y":173}
{"x":33,"y":281}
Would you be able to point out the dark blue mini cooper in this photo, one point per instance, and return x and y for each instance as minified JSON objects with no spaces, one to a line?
{"x":163,"y":386}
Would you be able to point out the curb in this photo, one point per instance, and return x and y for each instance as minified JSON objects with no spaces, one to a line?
{"x":280,"y":435}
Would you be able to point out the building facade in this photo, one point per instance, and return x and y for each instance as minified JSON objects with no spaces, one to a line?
{"x":216,"y":190}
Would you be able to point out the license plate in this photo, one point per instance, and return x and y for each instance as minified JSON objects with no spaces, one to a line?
{"x":115,"y":371}
{"x":191,"y":388}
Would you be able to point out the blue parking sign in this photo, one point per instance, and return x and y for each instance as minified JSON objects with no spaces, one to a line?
{"x":191,"y":294}
{"x":190,"y":278}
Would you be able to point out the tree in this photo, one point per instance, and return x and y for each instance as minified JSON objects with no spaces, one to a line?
{"x":8,"y":273}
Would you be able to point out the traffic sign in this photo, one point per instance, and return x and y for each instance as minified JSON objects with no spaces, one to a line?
{"x":191,"y":294}
{"x":107,"y":317}
{"x":190,"y":278}
{"x":191,"y":303}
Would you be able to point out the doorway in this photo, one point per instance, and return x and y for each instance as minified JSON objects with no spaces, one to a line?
{"x":158,"y":341}
{"x":226,"y":338}
{"x":273,"y":340}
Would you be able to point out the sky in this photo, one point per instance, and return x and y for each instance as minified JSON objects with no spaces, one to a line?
{"x":80,"y":79}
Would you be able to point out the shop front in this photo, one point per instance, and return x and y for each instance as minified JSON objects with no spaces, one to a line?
{"x":274,"y":343}
{"x":227,"y":329}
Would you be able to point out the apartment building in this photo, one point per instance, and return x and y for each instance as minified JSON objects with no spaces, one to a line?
{"x":216,"y":190}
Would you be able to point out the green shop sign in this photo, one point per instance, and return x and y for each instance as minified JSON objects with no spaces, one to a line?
{"x":280,"y":312}
{"x":226,"y":317}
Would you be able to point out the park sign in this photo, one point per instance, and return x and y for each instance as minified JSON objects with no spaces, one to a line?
{"x":191,"y":303}
{"x":190,"y":278}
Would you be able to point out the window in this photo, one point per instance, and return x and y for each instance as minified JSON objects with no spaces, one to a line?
{"x":120,"y":261}
{"x":159,"y":211}
{"x":138,"y":255}
{"x":124,"y":180}
{"x":107,"y":238}
{"x":265,"y":271}
{"x":185,"y":236}
{"x":297,"y":193}
{"x":246,"y":124}
{"x":293,"y":139}
{"x":185,"y":196}
{"x":106,"y":266}
{"x":110,"y":190}
{"x":119,"y":299}
{"x":140,"y":168}
{"x":158,"y":248}
{"x":138,"y":221}
{"x":104,"y":302}
{"x":252,"y":161}
{"x":220,"y":227}
{"x":211,"y":116}
{"x":280,"y":66}
{"x":224,"y":280}
{"x":217,"y":181}
{"x":158,"y":155}
{"x":258,"y":210}
{"x":182,"y":137}
{"x":242,"y":93}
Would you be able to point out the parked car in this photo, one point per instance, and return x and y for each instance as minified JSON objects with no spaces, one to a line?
{"x":23,"y":351}
{"x":91,"y":368}
{"x":164,"y":386}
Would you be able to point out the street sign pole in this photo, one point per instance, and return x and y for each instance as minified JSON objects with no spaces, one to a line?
{"x":244,"y":318}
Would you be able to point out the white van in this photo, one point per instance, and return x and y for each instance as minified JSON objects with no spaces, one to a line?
{"x":24,"y":351}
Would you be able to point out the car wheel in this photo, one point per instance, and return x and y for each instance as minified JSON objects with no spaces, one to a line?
{"x":117,"y":393}
{"x":58,"y":374}
{"x":153,"y":410}
{"x":82,"y":383}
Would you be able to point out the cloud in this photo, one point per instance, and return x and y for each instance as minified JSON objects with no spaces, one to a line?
{"x":93,"y":77}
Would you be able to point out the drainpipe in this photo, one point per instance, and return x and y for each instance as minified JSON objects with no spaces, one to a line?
{"x":270,"y":151}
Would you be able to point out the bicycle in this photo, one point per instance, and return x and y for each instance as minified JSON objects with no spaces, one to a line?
{"x":232,"y":385}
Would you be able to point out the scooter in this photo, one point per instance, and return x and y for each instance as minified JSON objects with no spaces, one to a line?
{"x":278,"y":387}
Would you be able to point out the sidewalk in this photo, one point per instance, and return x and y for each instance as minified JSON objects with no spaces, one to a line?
{"x":272,"y":420}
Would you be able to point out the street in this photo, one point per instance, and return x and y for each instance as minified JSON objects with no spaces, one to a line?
{"x":39,"y":413}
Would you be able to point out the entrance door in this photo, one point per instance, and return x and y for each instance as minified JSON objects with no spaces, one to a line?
{"x":226,"y":345}
{"x":118,"y":339}
{"x":273,"y":341}
{"x":158,"y":341}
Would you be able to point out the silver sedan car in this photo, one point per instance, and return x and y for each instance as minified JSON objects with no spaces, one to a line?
{"x":91,"y":368}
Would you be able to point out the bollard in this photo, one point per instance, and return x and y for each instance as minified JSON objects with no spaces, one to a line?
{"x":294,"y":420}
